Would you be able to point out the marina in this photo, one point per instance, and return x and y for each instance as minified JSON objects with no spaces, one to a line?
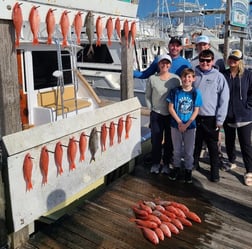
{"x":75,"y":137}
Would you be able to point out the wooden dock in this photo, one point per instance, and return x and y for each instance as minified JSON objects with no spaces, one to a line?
{"x":102,"y":221}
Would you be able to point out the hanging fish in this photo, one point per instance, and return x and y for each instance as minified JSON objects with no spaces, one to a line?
{"x":89,"y":24}
{"x":58,"y":156}
{"x":44,"y":163}
{"x":126,"y":31}
{"x":93,"y":143}
{"x":133,"y":31}
{"x":64,"y":25}
{"x":128,"y":125}
{"x":109,"y":27}
{"x":82,"y":146}
{"x":103,"y":137}
{"x":98,"y":31}
{"x":118,"y":27}
{"x":119,"y":130}
{"x":17,"y":18}
{"x":50,"y":25}
{"x":77,"y":23}
{"x":111,"y":133}
{"x":34,"y":20}
{"x":27,"y":171}
{"x":71,"y":153}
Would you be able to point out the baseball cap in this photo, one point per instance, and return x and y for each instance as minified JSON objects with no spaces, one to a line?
{"x":235,"y":54}
{"x":175,"y":40}
{"x":165,"y":57}
{"x":203,"y":39}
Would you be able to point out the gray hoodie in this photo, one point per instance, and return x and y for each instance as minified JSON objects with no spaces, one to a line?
{"x":215,"y":93}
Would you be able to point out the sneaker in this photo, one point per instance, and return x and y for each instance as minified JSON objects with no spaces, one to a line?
{"x":165,"y":169}
{"x":188,"y":176}
{"x":232,"y":165}
{"x":155,"y":168}
{"x":174,"y":175}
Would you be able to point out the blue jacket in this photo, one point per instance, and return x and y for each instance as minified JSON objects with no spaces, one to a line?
{"x":240,"y":102}
{"x":177,"y":66}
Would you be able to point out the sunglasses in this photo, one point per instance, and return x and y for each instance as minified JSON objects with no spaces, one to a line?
{"x":205,"y":60}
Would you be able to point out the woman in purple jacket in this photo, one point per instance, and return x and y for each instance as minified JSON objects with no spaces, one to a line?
{"x":239,"y":117}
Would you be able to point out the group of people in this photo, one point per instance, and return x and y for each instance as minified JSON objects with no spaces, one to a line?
{"x":190,"y":102}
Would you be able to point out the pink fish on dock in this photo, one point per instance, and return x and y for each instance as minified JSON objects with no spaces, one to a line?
{"x":17,"y":18}
{"x":27,"y":171}
{"x":34,"y":20}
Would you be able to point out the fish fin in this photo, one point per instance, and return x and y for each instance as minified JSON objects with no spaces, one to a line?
{"x":126,"y":136}
{"x":64,"y":43}
{"x":98,"y":43}
{"x":109,"y":43}
{"x":17,"y":43}
{"x":82,"y":158}
{"x":61,"y":170}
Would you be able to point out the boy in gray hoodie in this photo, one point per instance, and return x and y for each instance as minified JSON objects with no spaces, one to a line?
{"x":215,"y":95}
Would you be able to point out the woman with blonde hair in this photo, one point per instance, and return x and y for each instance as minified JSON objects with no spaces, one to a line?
{"x":239,"y":117}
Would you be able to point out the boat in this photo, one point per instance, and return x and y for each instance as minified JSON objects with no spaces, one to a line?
{"x":58,"y":105}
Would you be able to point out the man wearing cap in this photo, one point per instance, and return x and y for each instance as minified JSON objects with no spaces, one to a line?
{"x":203,"y":43}
{"x":239,"y":116}
{"x":178,"y":62}
{"x":157,"y":88}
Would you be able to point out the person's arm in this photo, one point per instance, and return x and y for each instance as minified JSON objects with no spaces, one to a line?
{"x":152,"y":69}
{"x":148,"y":94}
{"x":173,"y":113}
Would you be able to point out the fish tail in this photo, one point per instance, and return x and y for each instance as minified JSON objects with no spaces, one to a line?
{"x":109,"y":43}
{"x":60,"y":170}
{"x":98,"y":43}
{"x":90,"y":50}
{"x":92,"y":159}
{"x":29,"y":186}
{"x":126,"y":136}
{"x":64,"y":43}
{"x":78,"y":41}
{"x":72,"y":166}
{"x":49,"y":40}
{"x":17,"y":43}
{"x":35,"y":41}
{"x":82,"y":158}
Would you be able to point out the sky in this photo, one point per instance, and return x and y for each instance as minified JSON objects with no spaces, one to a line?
{"x":148,"y":6}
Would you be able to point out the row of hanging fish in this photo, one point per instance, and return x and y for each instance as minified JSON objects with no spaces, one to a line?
{"x":78,"y":23}
{"x":106,"y":133}
{"x":161,"y":218}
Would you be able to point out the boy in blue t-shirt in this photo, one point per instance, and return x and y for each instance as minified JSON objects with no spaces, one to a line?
{"x":184,"y":104}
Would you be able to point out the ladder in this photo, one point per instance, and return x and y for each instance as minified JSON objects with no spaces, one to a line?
{"x":71,"y":53}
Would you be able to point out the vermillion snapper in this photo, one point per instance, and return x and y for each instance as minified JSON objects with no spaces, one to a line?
{"x":17,"y":18}
{"x":98,"y":30}
{"x":58,"y":156}
{"x":89,"y":24}
{"x":109,"y":27}
{"x":27,"y":171}
{"x":133,"y":31}
{"x":71,"y":153}
{"x":82,"y":146}
{"x":118,"y":27}
{"x":64,"y":25}
{"x":50,"y":25}
{"x":77,"y":23}
{"x":126,"y":31}
{"x":93,"y":143}
{"x":34,"y":20}
{"x":44,"y":163}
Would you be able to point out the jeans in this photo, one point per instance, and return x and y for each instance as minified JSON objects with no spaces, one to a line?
{"x":160,"y":130}
{"x":206,"y":131}
{"x":244,"y":136}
